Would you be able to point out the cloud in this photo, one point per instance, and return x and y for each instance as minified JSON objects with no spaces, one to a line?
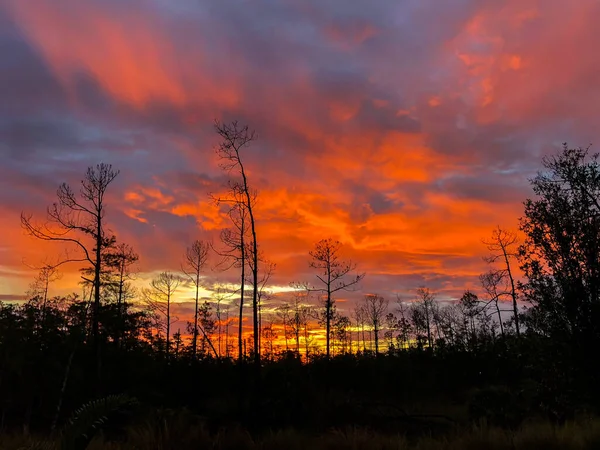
{"x":406,"y":130}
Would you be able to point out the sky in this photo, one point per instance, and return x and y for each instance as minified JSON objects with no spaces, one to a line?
{"x":405,"y":129}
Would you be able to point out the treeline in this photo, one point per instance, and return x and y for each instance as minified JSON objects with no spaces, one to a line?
{"x":57,"y":353}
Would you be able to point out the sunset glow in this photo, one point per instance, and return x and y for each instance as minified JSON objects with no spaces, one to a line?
{"x":405,"y":136}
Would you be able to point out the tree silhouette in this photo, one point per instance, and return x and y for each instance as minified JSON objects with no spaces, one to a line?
{"x":561,"y":253}
{"x":333,"y":274}
{"x":493,"y":283}
{"x":75,"y":219}
{"x":426,"y":309}
{"x":158,"y":298}
{"x":234,"y":139}
{"x":120,"y":258}
{"x":236,"y":255}
{"x":195,"y":259}
{"x":375,"y":308}
{"x":504,"y":245}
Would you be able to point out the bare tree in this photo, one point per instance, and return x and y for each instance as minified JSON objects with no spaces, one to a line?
{"x":493,"y":283}
{"x":158,"y":299}
{"x":121,"y":258}
{"x":504,"y":245}
{"x":285,"y":314}
{"x":358,"y":315}
{"x":306,"y":313}
{"x":428,"y":306}
{"x":333,"y":275}
{"x":220,"y":295}
{"x":263,"y":294}
{"x":195,"y":260}
{"x":404,"y":325}
{"x":77,"y":220}
{"x":40,"y":286}
{"x":341,"y":325}
{"x":375,"y":308}
{"x":470,"y":308}
{"x":236,"y":255}
{"x":208,"y":325}
{"x":234,"y":139}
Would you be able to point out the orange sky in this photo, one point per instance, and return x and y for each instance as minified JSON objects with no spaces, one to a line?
{"x":406,"y":130}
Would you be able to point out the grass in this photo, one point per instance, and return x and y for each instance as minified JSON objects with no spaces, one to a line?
{"x":582,"y":434}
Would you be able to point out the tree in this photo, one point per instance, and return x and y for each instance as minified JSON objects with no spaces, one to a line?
{"x":333,"y":274}
{"x":234,"y":139}
{"x":284,"y":313}
{"x":195,"y":259}
{"x":493,"y":283}
{"x":262,"y":292}
{"x":121,"y":257}
{"x":77,"y":220}
{"x":341,"y":325}
{"x":504,"y":245}
{"x":469,"y":307}
{"x":375,"y":307}
{"x":235,"y":254}
{"x":41,"y":284}
{"x":561,"y":252}
{"x":220,"y":294}
{"x":295,"y":318}
{"x":404,"y":325}
{"x":208,"y":326}
{"x":158,"y":299}
{"x":270,"y":335}
{"x":428,"y":306}
{"x":358,"y":315}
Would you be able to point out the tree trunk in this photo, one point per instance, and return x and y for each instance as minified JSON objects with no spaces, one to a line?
{"x":376,"y":333}
{"x":513,"y":292}
{"x":96,"y":310}
{"x":241,"y":318}
{"x":328,"y":307}
{"x":499,"y":318}
{"x":195,"y":337}
{"x":168,"y":341}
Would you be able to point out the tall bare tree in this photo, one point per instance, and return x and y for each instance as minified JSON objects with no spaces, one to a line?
{"x":119,"y":261}
{"x":77,"y":220}
{"x":121,"y":257}
{"x":375,"y":308}
{"x":333,"y":273}
{"x":196,"y":257}
{"x":470,"y":308}
{"x":235,"y":254}
{"x":263,"y":293}
{"x":295,"y":321}
{"x":493,"y":283}
{"x":504,"y":245}
{"x":235,"y":138}
{"x":428,"y":306}
{"x":358,"y":314}
{"x":158,"y":298}
{"x":220,"y":295}
{"x":40,"y":286}
{"x":284,"y":313}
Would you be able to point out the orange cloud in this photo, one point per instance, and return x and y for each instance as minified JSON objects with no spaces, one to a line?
{"x":407,"y":143}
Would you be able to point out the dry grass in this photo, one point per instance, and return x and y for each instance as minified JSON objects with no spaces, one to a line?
{"x":580,"y":435}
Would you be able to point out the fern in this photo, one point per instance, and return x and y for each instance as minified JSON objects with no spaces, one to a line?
{"x":89,"y":419}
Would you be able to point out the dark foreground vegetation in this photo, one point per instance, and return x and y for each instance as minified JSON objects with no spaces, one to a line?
{"x":528,"y":390}
{"x":106,"y":371}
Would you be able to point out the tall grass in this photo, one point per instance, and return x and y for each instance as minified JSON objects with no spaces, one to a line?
{"x":176,"y":434}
